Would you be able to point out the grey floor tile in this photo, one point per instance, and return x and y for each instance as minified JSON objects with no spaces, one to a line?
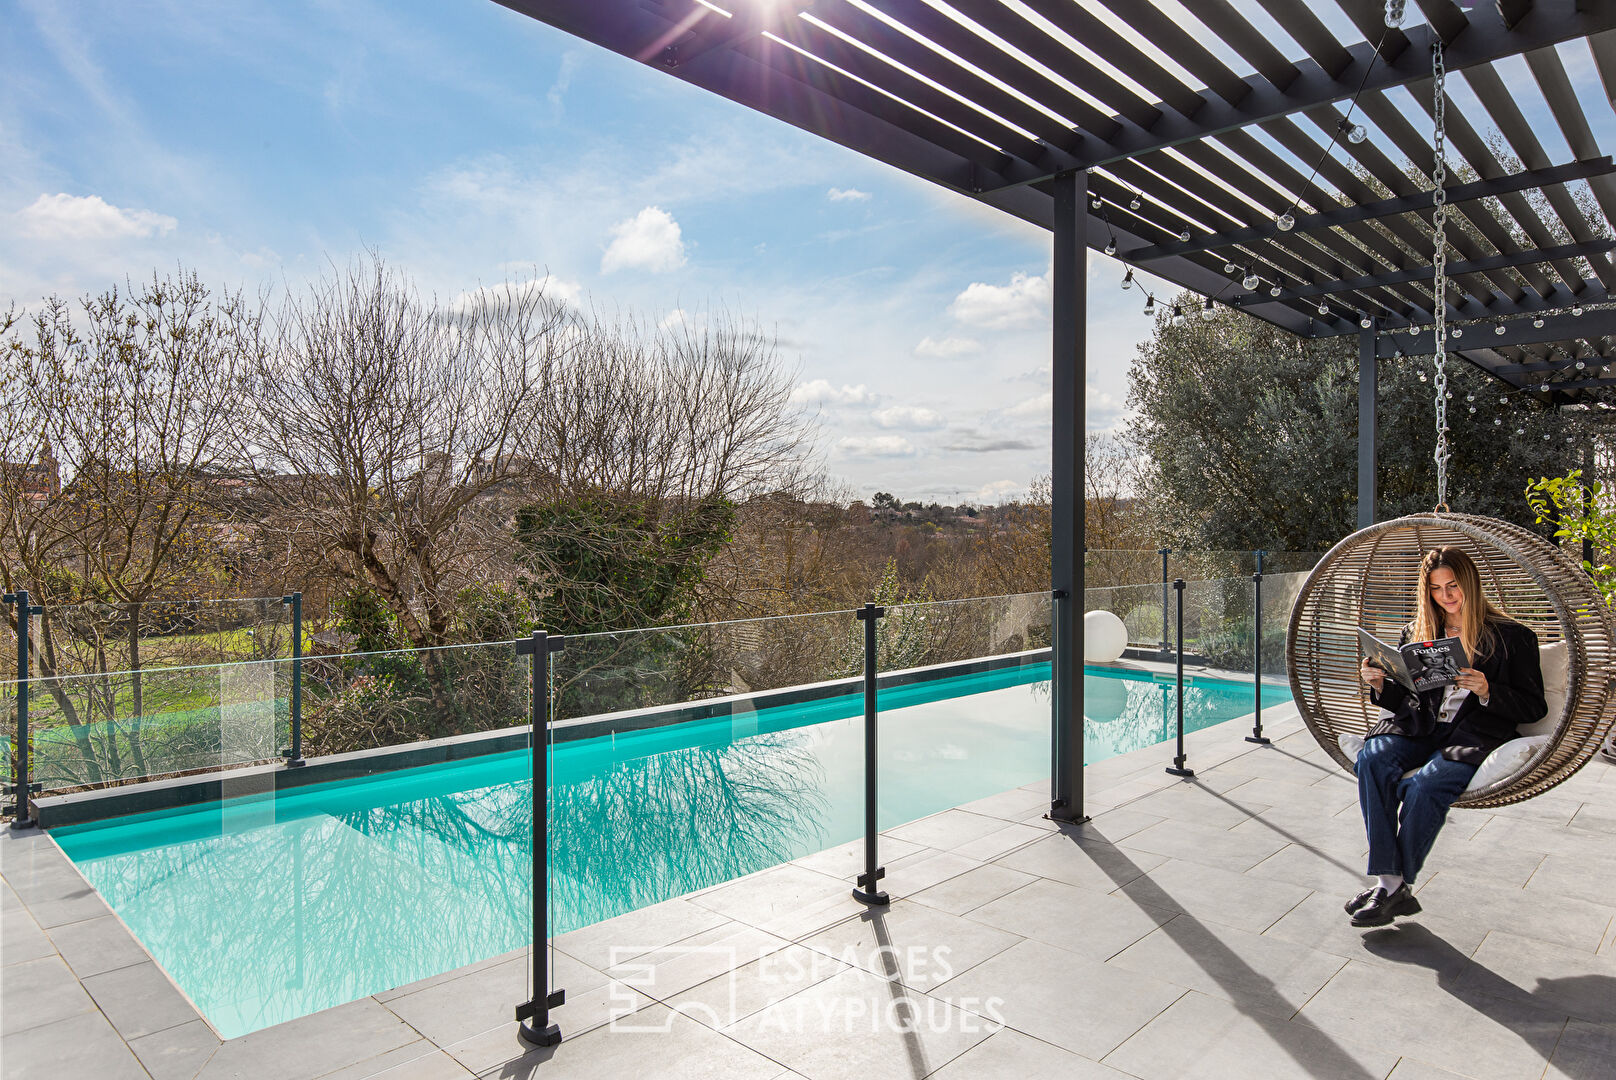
{"x":311,"y":1046}
{"x":1278,"y":763}
{"x":1059,"y":997}
{"x":626,"y":936}
{"x":846,"y":861}
{"x":1204,"y":844}
{"x":948,"y":830}
{"x":735,"y":995}
{"x":1536,"y":973}
{"x":911,"y":943}
{"x":972,"y":889}
{"x":39,"y":992}
{"x":1206,"y":1038}
{"x":654,"y":1042}
{"x":1576,"y":924}
{"x":663,"y":972}
{"x":1340,"y":834}
{"x":582,"y":1014}
{"x":1214,"y":895}
{"x":1090,"y":864}
{"x":1320,"y":797}
{"x":1092,"y":924}
{"x":1246,"y":969}
{"x":98,"y":945}
{"x":924,"y":868}
{"x":1435,"y":1019}
{"x":1191,"y":802}
{"x":1595,"y":816}
{"x":412,"y":1055}
{"x":1586,"y":876}
{"x":1010,"y":805}
{"x":1431,"y":940}
{"x":1585,"y":1052}
{"x":55,"y":892}
{"x":434,"y":1066}
{"x":140,"y":1000}
{"x":856,"y":1025}
{"x":1332,"y":872}
{"x":22,"y":939}
{"x":787,"y":900}
{"x":1413,"y":1069}
{"x":998,"y":842}
{"x":453,"y":1011}
{"x":177,"y":1053}
{"x":1523,"y":835}
{"x":77,"y":1046}
{"x":1479,"y":859}
{"x":1552,"y":808}
{"x":1113,"y":826}
{"x":1007,"y":1054}
{"x":384,"y":996}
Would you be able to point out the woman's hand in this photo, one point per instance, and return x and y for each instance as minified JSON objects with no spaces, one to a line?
{"x":1474,"y":681}
{"x":1373,"y":676}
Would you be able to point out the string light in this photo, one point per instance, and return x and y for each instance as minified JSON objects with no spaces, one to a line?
{"x":1285,"y":221}
{"x":1324,"y":309}
{"x":1365,"y":321}
{"x":1458,"y":332}
{"x":1251,"y":280}
{"x":1127,"y":279}
{"x":1577,"y":310}
{"x":1544,"y":388}
{"x":1095,"y":202}
{"x":1537,"y":323}
{"x":1354,"y":133}
{"x":1499,"y":329}
{"x":1275,"y":289}
{"x":1394,"y":12}
{"x":1207,"y":311}
{"x":1133,"y":203}
{"x":1184,"y":236}
{"x":1150,"y":305}
{"x":1229,"y":268}
{"x":1111,"y":246}
{"x":1178,"y":315}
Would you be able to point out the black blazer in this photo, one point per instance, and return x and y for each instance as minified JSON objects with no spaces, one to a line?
{"x":1514,"y":696}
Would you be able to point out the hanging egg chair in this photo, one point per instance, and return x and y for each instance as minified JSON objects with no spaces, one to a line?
{"x":1366,"y":581}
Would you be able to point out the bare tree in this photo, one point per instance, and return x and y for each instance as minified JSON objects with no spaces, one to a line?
{"x":376,"y":425}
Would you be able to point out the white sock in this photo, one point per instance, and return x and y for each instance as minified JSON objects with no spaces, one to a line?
{"x":1390,"y":882}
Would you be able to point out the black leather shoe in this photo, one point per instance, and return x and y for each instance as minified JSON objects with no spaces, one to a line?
{"x":1357,"y":902}
{"x":1383,"y":907}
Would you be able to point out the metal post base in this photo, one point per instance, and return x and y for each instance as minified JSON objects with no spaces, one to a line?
{"x":19,"y":824}
{"x":296,"y":762}
{"x":1258,"y":739}
{"x":1178,"y":769}
{"x":867,"y":893}
{"x":547,"y":1036}
{"x":1084,"y":820}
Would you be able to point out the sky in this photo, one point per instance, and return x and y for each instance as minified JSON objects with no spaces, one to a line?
{"x":259,"y":144}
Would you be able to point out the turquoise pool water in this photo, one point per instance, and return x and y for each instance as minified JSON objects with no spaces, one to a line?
{"x":263,"y":909}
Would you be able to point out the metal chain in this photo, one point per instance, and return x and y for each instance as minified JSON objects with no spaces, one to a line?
{"x":1439,"y":219}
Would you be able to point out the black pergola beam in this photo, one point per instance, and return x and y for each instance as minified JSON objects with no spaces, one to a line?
{"x":1562,"y":328}
{"x":1468,"y":266}
{"x":1459,"y":193}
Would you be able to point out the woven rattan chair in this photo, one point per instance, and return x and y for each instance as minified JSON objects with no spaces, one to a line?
{"x":1366,"y":580}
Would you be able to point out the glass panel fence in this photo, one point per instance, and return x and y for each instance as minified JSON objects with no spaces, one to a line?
{"x":1109,"y":567}
{"x":75,"y":639}
{"x":1143,"y":609}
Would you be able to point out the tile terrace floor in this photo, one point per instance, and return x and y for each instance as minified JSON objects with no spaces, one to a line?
{"x":1192,"y":929}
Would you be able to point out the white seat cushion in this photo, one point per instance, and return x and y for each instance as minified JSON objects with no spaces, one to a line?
{"x":1555,"y":660}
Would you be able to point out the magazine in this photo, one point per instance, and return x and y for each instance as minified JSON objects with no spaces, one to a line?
{"x":1419,"y":665}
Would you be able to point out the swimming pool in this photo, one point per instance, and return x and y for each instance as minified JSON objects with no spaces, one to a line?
{"x":263,"y":909}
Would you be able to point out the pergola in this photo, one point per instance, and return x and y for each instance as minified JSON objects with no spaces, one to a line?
{"x":1175,"y":135}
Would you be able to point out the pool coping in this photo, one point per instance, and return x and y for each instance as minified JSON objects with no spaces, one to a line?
{"x":175,"y":792}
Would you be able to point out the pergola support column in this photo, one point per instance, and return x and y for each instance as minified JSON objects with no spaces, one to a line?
{"x":1368,"y":386}
{"x":1066,"y":494}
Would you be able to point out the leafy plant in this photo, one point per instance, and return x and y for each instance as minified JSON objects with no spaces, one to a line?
{"x":1580,"y":517}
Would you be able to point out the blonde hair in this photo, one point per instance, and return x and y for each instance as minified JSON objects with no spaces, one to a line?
{"x":1431,"y":622}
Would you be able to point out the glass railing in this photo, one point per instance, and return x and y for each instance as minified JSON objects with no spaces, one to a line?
{"x":1112,"y":567}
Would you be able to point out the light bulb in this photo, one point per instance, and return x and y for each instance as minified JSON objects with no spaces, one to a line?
{"x":1127,"y":279}
{"x":1251,"y":280}
{"x":1133,"y":203}
{"x":1577,"y":310}
{"x":1422,"y":376}
{"x":1581,"y":365}
{"x":1206,"y":309}
{"x":1520,"y":431}
{"x":1111,"y":246}
{"x":1285,"y":222}
{"x":1229,"y":268}
{"x":1095,"y":202}
{"x":1394,"y":12}
{"x":1178,"y":315}
{"x":1184,"y":236}
{"x":1458,"y":332}
{"x":1275,"y":289}
{"x":1499,"y":329}
{"x":1544,"y":388}
{"x":1546,"y":436}
{"x":1353,"y":133}
{"x":1503,"y":401}
{"x":1498,"y":421}
{"x":1470,"y":397}
{"x":1537,"y":323}
{"x":1365,"y":321}
{"x":1472,"y":410}
{"x":1150,"y":305}
{"x":1571,"y":438}
{"x":1324,"y":309}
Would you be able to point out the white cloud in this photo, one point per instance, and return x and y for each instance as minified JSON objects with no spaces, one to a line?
{"x":913,"y":417}
{"x":1023,"y":302}
{"x":88,"y":217}
{"x":948,"y":348}
{"x":564,"y":292}
{"x":998,"y":491}
{"x":876,"y":446}
{"x":674,"y":319}
{"x":837,"y":194}
{"x":822,"y":392}
{"x":1040,"y":406}
{"x":650,"y":240}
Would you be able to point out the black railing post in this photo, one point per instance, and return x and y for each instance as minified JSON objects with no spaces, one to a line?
{"x":534,"y":1015}
{"x":1164,"y":552}
{"x":1177,"y":768}
{"x":22,"y":785}
{"x":294,"y":756}
{"x":866,"y":890}
{"x":1256,"y":735}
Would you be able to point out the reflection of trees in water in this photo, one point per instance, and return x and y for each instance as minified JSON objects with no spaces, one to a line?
{"x":267,"y":919}
{"x":644,"y":830}
{"x":1125,"y":715}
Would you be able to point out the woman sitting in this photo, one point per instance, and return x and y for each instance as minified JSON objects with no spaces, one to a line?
{"x":1443,"y":733}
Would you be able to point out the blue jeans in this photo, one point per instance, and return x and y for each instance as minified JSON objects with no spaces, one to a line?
{"x":1402,"y":817}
